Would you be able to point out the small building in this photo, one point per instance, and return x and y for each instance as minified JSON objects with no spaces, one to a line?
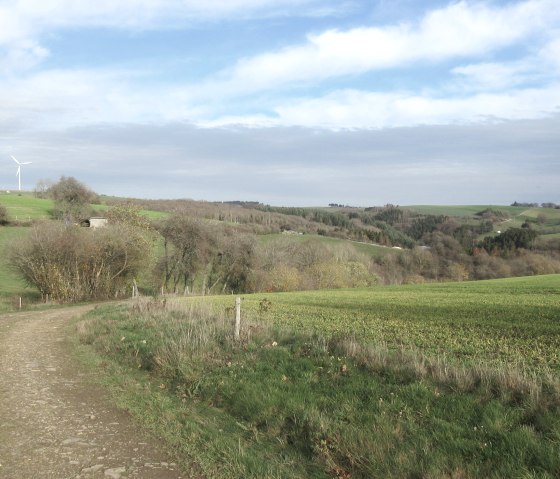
{"x":94,"y":222}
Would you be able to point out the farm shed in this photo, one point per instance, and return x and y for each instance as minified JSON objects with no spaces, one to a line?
{"x":94,"y":222}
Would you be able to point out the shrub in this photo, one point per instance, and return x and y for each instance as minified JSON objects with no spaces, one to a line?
{"x":4,"y":219}
{"x":72,"y":264}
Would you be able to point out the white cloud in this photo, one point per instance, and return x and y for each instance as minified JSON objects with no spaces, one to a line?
{"x":39,"y":15}
{"x":23,"y":23}
{"x":462,"y":30}
{"x":62,"y":98}
{"x":458,"y":30}
{"x":359,"y":109}
{"x":22,"y":55}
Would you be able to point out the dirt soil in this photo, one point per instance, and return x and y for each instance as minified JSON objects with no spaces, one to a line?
{"x":54,"y":423}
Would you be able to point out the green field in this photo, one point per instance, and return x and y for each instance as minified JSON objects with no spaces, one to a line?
{"x":25,"y":207}
{"x":463,"y":210}
{"x":448,"y":380}
{"x":512,"y":320}
{"x":371,"y":250}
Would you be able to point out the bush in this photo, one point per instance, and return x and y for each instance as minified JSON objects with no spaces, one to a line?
{"x":4,"y":219}
{"x":73,"y":264}
{"x":71,"y":199}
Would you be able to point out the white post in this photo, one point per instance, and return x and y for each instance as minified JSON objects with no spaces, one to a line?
{"x":20,"y":302}
{"x":237,"y":317}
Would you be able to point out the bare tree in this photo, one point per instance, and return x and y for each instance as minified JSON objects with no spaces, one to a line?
{"x":188,"y":244}
{"x":71,"y":264}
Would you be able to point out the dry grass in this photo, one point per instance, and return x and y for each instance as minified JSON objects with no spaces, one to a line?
{"x":511,"y":383}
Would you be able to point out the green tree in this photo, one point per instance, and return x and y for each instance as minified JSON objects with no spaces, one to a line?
{"x":71,"y":199}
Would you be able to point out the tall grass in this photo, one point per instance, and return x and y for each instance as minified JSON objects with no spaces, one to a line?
{"x":281,"y":403}
{"x":11,"y":285}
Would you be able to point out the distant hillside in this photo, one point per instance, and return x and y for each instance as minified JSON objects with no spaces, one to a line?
{"x":25,"y":207}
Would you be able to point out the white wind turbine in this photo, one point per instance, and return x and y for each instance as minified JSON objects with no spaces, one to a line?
{"x":18,"y":174}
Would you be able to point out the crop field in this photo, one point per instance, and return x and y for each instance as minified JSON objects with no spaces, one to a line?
{"x":446,"y":380}
{"x":514,"y":321}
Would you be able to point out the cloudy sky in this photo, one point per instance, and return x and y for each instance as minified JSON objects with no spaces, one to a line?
{"x":287,"y":102}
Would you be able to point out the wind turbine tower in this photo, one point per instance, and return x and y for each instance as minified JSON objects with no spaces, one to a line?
{"x":18,"y":174}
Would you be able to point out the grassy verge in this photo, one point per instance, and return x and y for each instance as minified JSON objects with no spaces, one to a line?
{"x":285,"y":403}
{"x":11,"y":286}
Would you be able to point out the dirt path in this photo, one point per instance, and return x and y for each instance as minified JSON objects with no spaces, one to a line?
{"x":53,"y":423}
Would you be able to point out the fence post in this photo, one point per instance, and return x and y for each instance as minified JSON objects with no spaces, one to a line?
{"x":20,"y":302}
{"x":237,"y":317}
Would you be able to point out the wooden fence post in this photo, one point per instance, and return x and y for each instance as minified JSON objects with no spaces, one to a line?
{"x":237,"y":317}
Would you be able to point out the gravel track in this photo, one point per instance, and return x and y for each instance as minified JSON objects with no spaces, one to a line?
{"x":56,"y":424}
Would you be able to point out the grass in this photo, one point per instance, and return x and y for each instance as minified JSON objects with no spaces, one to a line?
{"x":25,"y":207}
{"x":500,"y":321}
{"x":371,"y":250}
{"x":517,"y":216}
{"x":11,"y":286}
{"x":362,"y":383}
{"x":463,"y":210}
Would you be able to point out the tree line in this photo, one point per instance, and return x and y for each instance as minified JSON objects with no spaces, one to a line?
{"x":215,"y":248}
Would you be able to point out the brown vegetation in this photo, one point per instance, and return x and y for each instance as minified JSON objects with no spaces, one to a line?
{"x":70,"y":263}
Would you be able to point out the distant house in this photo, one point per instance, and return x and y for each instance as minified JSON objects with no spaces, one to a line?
{"x":94,"y":222}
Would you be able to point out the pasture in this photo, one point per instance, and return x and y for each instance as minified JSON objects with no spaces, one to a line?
{"x":368,"y":249}
{"x":26,"y":207}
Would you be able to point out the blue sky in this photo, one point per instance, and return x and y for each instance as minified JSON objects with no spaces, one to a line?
{"x":288,"y":102}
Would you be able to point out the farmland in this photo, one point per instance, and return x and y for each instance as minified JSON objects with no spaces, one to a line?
{"x":498,"y":321}
{"x":443,"y":380}
{"x":25,"y":207}
{"x":371,"y":250}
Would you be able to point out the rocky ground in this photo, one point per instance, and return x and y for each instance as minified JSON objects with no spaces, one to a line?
{"x":54,"y":423}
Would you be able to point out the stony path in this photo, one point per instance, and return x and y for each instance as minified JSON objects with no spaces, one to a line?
{"x":53,"y":423}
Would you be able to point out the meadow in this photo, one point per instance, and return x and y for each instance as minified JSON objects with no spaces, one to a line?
{"x":371,"y":250}
{"x":446,"y":380}
{"x":26,"y":207}
{"x":467,"y":210}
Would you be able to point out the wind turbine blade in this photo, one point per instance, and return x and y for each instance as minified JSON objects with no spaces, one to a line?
{"x":15,"y":160}
{"x":25,"y":163}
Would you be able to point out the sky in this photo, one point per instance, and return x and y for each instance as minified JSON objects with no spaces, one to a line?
{"x":286,"y":102}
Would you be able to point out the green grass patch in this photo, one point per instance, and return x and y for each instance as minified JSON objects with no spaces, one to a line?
{"x":11,"y":285}
{"x":508,"y":320}
{"x":387,"y":382}
{"x":372,"y":250}
{"x":463,"y":210}
{"x":26,"y":207}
